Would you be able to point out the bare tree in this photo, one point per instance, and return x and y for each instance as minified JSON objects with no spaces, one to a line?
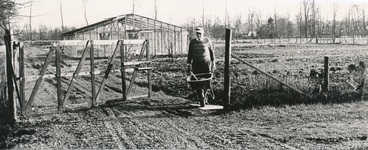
{"x":136,"y":5}
{"x":30,"y":20}
{"x":237,"y":24}
{"x":203,"y":14}
{"x":208,"y":25}
{"x":318,"y":20}
{"x":250,"y":20}
{"x":61,"y":15}
{"x":283,"y":26}
{"x":191,"y":26}
{"x":289,"y":26}
{"x":363,"y":18}
{"x":275,"y":18}
{"x":315,"y":10}
{"x":258,"y":20}
{"x":226,"y":16}
{"x":7,"y":11}
{"x":355,"y":20}
{"x":42,"y":29}
{"x":299,"y":20}
{"x":85,"y":11}
{"x":335,"y":9}
{"x":156,"y":9}
{"x":307,"y":5}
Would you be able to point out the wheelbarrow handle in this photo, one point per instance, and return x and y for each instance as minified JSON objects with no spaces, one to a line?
{"x":192,"y":74}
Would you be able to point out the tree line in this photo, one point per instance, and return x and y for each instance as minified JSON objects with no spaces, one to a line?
{"x":307,"y":23}
{"x":9,"y":15}
{"x":42,"y":33}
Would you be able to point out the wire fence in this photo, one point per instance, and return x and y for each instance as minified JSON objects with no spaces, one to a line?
{"x":296,"y":40}
{"x":301,"y":66}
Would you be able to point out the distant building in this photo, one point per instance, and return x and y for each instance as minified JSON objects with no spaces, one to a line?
{"x":162,"y":36}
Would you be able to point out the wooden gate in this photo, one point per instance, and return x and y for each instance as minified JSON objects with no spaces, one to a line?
{"x":89,"y":49}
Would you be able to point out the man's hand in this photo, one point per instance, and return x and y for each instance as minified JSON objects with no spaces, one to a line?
{"x":188,"y":68}
{"x":213,"y":66}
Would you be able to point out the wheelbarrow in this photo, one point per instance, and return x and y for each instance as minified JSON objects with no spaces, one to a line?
{"x":201,"y":85}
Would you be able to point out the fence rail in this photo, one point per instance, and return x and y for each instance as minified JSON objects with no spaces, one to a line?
{"x":55,"y":49}
{"x":340,"y":40}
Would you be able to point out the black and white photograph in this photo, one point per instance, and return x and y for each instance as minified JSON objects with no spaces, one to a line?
{"x":184,"y":74}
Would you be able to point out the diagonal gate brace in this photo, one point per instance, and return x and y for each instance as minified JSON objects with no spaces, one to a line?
{"x":39,"y":80}
{"x":79,"y":67}
{"x":107,"y":72}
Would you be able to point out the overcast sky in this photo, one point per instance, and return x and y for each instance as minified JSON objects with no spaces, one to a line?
{"x":47,"y":12}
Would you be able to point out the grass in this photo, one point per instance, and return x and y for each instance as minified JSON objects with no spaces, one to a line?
{"x":250,"y":89}
{"x":298,"y":60}
{"x":290,"y":64}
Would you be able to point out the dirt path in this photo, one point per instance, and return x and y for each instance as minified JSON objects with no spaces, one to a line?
{"x":133,"y":125}
{"x":147,"y":124}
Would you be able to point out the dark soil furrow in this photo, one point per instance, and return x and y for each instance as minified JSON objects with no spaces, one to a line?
{"x":136,"y":135}
{"x":199,"y":143}
{"x":160,"y":132}
{"x":165,"y":135}
{"x":133,"y":132}
{"x":92,"y":132}
{"x":276,"y":142}
{"x":110,"y":125}
{"x":122,"y":135}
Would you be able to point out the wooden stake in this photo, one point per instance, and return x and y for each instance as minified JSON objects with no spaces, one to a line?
{"x":122,"y":70}
{"x":22,"y":80}
{"x":9,"y":74}
{"x":364,"y":86}
{"x":149,"y":71}
{"x":227,"y":86}
{"x":92,"y":60}
{"x":58,"y":79}
{"x":325,"y":87}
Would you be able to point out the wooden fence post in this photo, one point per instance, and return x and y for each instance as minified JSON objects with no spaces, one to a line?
{"x":58,"y":79}
{"x":325,"y":87}
{"x":122,"y":69}
{"x":9,"y":74}
{"x":364,"y":86}
{"x":149,"y":71}
{"x":226,"y":100}
{"x":92,"y":60}
{"x":22,"y":80}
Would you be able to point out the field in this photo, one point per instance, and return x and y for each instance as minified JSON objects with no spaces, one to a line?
{"x":264,"y":115}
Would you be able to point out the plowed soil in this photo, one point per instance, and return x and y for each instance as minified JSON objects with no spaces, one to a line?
{"x":167,"y":121}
